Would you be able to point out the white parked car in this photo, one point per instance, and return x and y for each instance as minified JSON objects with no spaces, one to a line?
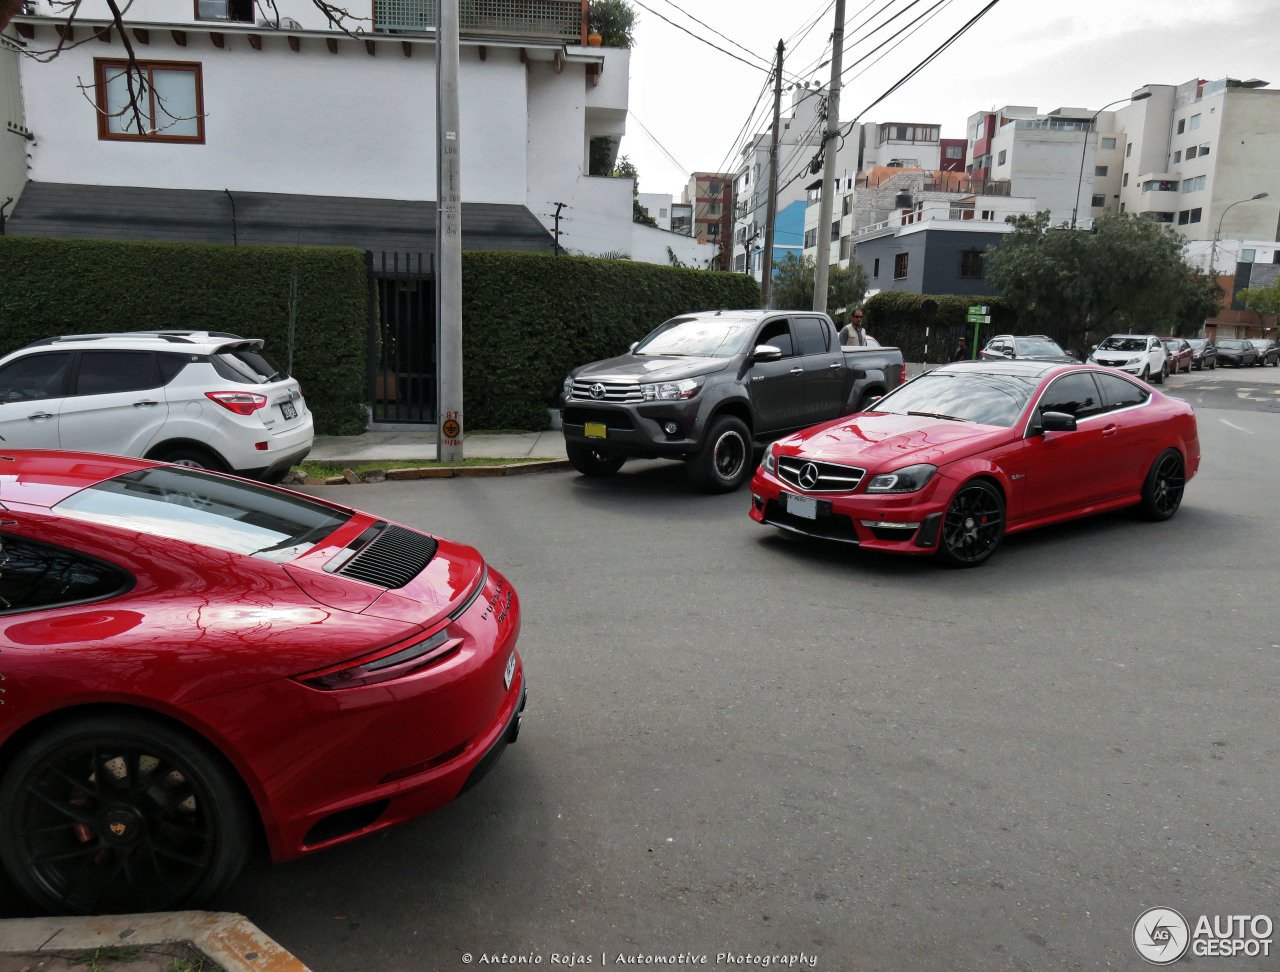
{"x":196,"y":398}
{"x":1143,"y":355}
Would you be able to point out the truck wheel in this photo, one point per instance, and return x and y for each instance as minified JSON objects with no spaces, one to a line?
{"x":724,"y":462}
{"x":591,"y":461}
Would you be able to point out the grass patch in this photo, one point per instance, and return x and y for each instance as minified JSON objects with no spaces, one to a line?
{"x":101,"y":959}
{"x":323,"y":470}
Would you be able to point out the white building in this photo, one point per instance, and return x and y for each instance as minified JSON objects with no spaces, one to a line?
{"x":303,"y":133}
{"x":658,"y":206}
{"x":1197,"y":149}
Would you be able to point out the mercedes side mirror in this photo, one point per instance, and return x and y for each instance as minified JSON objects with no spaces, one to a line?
{"x":766,"y":352}
{"x":1057,"y":422}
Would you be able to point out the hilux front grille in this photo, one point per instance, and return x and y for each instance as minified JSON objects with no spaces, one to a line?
{"x":606,"y":390}
{"x":824,"y":477}
{"x":396,"y":557}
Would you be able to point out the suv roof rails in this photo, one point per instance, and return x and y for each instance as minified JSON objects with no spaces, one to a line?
{"x":172,"y":337}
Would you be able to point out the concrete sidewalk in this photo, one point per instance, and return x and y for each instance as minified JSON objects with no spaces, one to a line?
{"x":420,"y":444}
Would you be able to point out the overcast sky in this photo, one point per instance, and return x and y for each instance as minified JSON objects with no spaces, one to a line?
{"x":695,"y":100}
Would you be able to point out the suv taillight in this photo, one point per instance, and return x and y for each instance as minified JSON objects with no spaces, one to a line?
{"x":242,"y":403}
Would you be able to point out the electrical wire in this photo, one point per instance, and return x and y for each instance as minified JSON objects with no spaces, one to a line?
{"x":674,"y":161}
{"x":717,"y":47}
{"x":745,"y":50}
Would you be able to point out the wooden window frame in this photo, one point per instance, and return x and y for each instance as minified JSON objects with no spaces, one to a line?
{"x":968,"y":259}
{"x":901,"y":266}
{"x":100,"y":68}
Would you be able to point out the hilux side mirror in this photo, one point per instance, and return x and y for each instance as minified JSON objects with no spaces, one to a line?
{"x":766,"y":352}
{"x":634,"y":345}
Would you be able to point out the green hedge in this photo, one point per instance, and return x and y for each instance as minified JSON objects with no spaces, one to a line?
{"x":528,"y":319}
{"x":50,"y":286}
{"x":897,"y":318}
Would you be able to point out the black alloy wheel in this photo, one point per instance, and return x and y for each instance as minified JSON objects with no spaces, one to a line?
{"x":1162,"y":491}
{"x":591,"y":461}
{"x":117,"y":814}
{"x":724,"y":462}
{"x":973,"y":525}
{"x":192,"y":457}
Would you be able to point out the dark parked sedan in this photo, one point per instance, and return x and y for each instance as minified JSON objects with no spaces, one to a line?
{"x":1237,"y":353}
{"x":1030,"y":347}
{"x":1268,"y":351}
{"x":1204,"y":354}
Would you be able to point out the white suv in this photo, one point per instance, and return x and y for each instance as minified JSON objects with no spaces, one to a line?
{"x":197,"y":398}
{"x":1143,"y":355}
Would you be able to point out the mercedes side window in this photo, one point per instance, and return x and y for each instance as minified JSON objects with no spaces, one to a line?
{"x":35,"y":575}
{"x":108,"y":372}
{"x":35,"y":377}
{"x":1075,"y":395}
{"x":777,"y":334}
{"x":1120,"y":392}
{"x":812,"y":335}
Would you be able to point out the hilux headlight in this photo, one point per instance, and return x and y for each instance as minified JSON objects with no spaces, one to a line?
{"x":905,"y":480}
{"x":671,"y":391}
{"x":568,"y":385}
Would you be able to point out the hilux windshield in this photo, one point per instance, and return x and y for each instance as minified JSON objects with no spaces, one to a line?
{"x":711,"y":337}
{"x":963,"y":396}
{"x":226,"y":514}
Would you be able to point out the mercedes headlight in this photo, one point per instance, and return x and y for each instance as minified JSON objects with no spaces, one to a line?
{"x":671,"y":391}
{"x":908,"y":479}
{"x":770,"y":461}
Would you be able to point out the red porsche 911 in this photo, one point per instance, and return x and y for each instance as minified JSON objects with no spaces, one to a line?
{"x":950,"y":462}
{"x":190,"y":660}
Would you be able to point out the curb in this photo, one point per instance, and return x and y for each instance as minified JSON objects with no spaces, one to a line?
{"x":231,"y":940}
{"x":433,"y":472}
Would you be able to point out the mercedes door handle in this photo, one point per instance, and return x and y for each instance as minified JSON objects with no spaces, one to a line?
{"x":144,"y":404}
{"x":797,"y":371}
{"x":1110,"y":430}
{"x":39,"y":415}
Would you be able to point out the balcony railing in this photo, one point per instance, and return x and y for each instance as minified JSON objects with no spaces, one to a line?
{"x":564,"y":20}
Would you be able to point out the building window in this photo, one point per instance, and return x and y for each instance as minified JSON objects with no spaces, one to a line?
{"x":1195,"y":215}
{"x":1108,"y":142}
{"x":1193,"y":185}
{"x":844,"y":248}
{"x":955,"y":152}
{"x":1195,"y":122}
{"x":875,"y":268}
{"x":900,"y":266}
{"x":1000,"y":159}
{"x":1128,"y":150}
{"x":715,"y":189}
{"x":810,"y":239}
{"x":835,"y":231}
{"x":1182,"y":125}
{"x":1124,"y":181}
{"x":1182,"y":216}
{"x":1099,"y":202}
{"x":740,"y":263}
{"x":662,"y":214}
{"x":1100,"y":170}
{"x":970,"y":264}
{"x":1204,"y":148}
{"x":989,"y":214}
{"x":713,"y":209}
{"x":1191,"y":153}
{"x":167,"y":94}
{"x":846,"y":205}
{"x":1248,"y":256}
{"x":237,"y":11}
{"x":713,"y":229}
{"x":1122,"y":207}
{"x":1177,"y":157}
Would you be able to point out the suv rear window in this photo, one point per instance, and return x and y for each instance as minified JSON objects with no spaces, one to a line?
{"x":246,"y":364}
{"x":226,"y":514}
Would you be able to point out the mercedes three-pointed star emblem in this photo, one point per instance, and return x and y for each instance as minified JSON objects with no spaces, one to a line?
{"x":808,"y":477}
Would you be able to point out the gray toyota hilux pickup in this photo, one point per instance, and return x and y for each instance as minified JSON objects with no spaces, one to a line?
{"x":712,"y":386}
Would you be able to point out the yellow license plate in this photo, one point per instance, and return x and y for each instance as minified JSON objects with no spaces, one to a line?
{"x":594,"y":430}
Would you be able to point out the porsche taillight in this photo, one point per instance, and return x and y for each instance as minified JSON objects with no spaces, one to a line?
{"x":391,"y":663}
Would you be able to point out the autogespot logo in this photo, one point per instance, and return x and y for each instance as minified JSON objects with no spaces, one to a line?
{"x":1161,"y":936}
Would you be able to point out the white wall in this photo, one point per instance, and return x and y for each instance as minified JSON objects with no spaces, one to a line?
{"x":13,"y":148}
{"x":649,"y":245}
{"x":658,"y":206}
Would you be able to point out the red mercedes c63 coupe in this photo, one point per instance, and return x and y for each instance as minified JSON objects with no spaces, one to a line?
{"x":190,"y":660}
{"x":953,"y":460}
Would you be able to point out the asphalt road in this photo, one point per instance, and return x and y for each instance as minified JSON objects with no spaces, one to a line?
{"x":742,"y":742}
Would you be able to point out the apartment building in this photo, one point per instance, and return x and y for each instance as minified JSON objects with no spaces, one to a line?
{"x":710,"y":196}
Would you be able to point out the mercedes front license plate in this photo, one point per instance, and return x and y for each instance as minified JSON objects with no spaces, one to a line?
{"x":805,"y":506}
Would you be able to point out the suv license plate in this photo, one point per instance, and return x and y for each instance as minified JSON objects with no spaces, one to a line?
{"x":805,"y":506}
{"x":288,"y":411}
{"x":594,"y":430}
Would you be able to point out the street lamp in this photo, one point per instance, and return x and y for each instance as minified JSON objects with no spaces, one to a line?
{"x":1213,"y":250}
{"x":1084,"y":149}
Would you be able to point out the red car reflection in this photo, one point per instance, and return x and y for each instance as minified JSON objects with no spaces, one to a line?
{"x":953,"y":460}
{"x":190,"y":659}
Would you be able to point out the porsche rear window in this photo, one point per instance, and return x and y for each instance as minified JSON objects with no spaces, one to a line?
{"x":225,"y":514}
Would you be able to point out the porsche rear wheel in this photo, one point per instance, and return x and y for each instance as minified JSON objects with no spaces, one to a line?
{"x":121,"y":813}
{"x":973,"y":525}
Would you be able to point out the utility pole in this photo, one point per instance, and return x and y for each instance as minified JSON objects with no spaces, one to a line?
{"x":826,"y":201}
{"x":771,"y":213}
{"x":448,"y":239}
{"x":559,"y":206}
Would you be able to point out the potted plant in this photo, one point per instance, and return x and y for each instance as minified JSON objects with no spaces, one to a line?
{"x":612,"y":21}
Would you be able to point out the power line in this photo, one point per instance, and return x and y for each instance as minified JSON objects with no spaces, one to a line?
{"x":654,"y":138}
{"x":671,"y":3}
{"x":702,"y":39}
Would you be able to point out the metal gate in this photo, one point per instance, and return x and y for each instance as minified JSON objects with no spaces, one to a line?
{"x":402,"y":374}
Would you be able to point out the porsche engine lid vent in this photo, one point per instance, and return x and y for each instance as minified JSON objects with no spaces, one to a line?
{"x":395,"y":557}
